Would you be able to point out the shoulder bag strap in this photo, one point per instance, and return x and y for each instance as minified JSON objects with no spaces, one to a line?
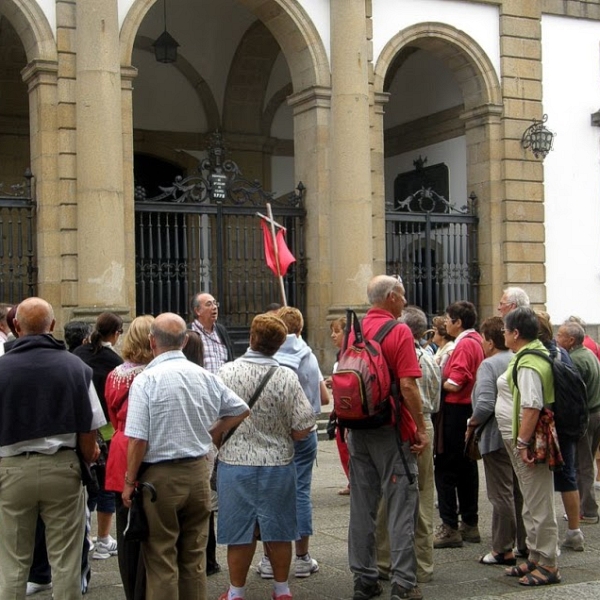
{"x":252,"y":401}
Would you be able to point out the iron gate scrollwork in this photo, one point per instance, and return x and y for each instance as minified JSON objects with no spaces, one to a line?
{"x":18,"y":266}
{"x":201,"y":233}
{"x":432,"y":245}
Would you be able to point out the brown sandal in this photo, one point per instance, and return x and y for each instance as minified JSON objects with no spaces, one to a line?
{"x":521,"y":570}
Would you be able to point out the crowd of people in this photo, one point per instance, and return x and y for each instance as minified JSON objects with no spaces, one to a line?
{"x":163,"y":407}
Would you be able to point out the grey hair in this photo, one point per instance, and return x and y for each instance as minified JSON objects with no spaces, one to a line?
{"x":578,"y":320}
{"x":574,"y":330}
{"x":416,"y":320}
{"x":517,"y":296}
{"x":379,"y":287}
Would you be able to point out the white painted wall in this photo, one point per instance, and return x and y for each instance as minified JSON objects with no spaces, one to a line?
{"x":451,"y":152}
{"x":571,"y":78}
{"x":481,"y":22}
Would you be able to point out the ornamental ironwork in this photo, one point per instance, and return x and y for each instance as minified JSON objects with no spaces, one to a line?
{"x":218,"y":180}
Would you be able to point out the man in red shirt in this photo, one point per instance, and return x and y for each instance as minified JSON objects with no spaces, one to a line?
{"x":376,"y":466}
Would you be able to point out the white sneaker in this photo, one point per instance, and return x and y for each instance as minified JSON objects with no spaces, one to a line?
{"x":305,"y":566}
{"x":34,"y":588}
{"x":264,"y":568}
{"x":574,"y":541}
{"x":106,"y":549}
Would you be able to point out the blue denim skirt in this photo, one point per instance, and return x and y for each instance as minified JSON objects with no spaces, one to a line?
{"x":251,"y":497}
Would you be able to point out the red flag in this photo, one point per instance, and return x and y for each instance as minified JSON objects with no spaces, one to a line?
{"x":286,"y":258}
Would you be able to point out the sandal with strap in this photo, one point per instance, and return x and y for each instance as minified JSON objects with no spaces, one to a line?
{"x":497,"y":559}
{"x":540,"y":576}
{"x":521,"y":570}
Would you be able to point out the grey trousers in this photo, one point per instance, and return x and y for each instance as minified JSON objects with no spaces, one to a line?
{"x":586,"y":454}
{"x":376,"y":470}
{"x":507,"y":502}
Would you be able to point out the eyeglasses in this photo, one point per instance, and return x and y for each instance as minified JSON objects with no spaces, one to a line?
{"x":211,"y":303}
{"x":119,"y":331}
{"x":505,"y":303}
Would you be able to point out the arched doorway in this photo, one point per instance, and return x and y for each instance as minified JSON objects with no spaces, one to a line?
{"x":18,"y":273}
{"x":236,"y":80}
{"x":442,"y":112}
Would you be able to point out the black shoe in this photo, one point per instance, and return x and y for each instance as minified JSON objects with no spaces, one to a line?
{"x":213,"y":569}
{"x":363,"y":590}
{"x":400,"y":593}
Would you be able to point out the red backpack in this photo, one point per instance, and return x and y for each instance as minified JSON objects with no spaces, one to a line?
{"x":362,"y":384}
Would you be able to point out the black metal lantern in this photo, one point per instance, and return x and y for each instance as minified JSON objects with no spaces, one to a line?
{"x":165,"y":47}
{"x":538,"y":138}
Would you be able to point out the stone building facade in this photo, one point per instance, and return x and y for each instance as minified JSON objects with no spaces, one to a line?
{"x":338,"y":94}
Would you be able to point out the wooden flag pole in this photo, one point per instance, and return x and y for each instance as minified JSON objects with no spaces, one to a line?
{"x":276,"y":252}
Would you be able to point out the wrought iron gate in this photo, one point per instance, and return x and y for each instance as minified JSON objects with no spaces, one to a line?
{"x":433,"y":247}
{"x":202,"y":234}
{"x":18,"y":268}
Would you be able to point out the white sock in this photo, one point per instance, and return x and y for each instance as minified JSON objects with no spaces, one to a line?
{"x":573,"y":531}
{"x":104,"y":540}
{"x":281,"y":588}
{"x":236,"y":592}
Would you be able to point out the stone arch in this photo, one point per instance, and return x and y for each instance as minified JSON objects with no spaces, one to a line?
{"x":32,"y":27}
{"x":289,"y":24}
{"x":276,"y":100}
{"x":471,"y":66}
{"x":481,"y":115}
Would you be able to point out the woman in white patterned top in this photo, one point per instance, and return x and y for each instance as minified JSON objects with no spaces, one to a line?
{"x":256,"y":469}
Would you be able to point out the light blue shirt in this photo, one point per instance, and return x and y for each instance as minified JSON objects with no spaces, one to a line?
{"x":172,"y":405}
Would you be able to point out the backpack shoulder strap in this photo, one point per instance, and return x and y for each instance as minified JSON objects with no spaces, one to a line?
{"x":384,"y":330}
{"x":521,"y":355}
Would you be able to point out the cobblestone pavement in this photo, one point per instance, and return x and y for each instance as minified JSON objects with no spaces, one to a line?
{"x":458,"y":575}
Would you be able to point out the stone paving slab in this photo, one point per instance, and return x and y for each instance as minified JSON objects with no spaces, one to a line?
{"x":458,"y":575}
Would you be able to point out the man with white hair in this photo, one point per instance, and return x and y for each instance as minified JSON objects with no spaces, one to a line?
{"x":512,"y":297}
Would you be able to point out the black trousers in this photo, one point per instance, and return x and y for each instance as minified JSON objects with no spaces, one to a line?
{"x":456,"y":477}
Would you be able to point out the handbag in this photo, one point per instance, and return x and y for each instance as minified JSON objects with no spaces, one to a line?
{"x":137,"y":528}
{"x":472,"y":440}
{"x":471,"y":444}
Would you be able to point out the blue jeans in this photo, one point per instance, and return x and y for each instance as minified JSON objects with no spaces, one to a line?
{"x":305,"y":454}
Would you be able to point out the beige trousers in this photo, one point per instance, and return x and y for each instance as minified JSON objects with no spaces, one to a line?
{"x":50,"y":486}
{"x":539,"y":514}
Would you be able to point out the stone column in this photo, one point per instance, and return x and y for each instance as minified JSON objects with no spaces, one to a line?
{"x":312,"y":108}
{"x":101,"y":263}
{"x":351,"y":211}
{"x":521,"y":60}
{"x":41,"y":79}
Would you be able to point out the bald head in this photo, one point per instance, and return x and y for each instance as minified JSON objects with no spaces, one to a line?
{"x":34,"y":317}
{"x":168,"y":332}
